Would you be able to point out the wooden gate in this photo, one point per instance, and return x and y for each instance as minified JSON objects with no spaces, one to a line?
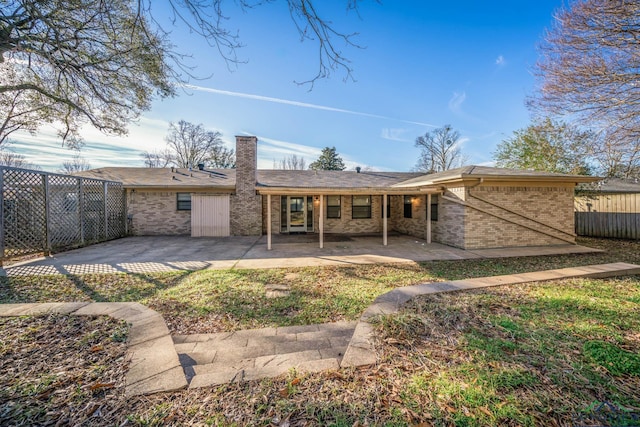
{"x":210,"y":215}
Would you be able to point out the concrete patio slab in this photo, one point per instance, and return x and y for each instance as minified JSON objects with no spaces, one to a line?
{"x":152,"y":254}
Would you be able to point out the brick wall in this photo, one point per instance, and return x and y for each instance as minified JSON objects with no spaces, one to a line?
{"x":245,"y":204}
{"x":519,"y":216}
{"x":450,"y":227}
{"x":156,"y":213}
{"x":417,"y":224}
{"x":346,"y":224}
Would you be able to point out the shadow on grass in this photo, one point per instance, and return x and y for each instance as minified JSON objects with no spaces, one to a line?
{"x":87,"y":287}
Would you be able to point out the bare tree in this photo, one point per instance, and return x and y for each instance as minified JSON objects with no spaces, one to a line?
{"x":190,"y":145}
{"x":12,"y":159}
{"x":292,"y":162}
{"x":102,"y":62}
{"x":588,"y":70}
{"x":76,"y":164}
{"x":440,"y":150}
{"x":81,"y":61}
{"x":157,"y":159}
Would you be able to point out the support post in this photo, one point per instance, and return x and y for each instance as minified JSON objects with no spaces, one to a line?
{"x":321,"y":222}
{"x":268,"y":222}
{"x":384,"y":219}
{"x":429,"y":218}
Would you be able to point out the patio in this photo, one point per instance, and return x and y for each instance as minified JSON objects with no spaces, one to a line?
{"x":149,"y":254}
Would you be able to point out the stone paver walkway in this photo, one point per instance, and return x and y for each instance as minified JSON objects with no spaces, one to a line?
{"x":160,"y":362}
{"x":212,"y":359}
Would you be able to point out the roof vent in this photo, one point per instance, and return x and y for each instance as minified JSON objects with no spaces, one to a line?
{"x":201,"y":166}
{"x":358,"y":169}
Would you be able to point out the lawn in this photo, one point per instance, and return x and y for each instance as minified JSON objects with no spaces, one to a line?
{"x":225,"y":300}
{"x":534,"y":354}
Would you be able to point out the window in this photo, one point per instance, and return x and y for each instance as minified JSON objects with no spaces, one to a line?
{"x":333,"y":206}
{"x":434,"y":208}
{"x":407,"y":206}
{"x":388,"y":207}
{"x":361,"y":207}
{"x":184,"y":201}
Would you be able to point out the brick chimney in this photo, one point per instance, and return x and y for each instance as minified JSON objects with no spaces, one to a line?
{"x":246,"y":205}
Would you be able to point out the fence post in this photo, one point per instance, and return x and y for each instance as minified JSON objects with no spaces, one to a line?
{"x":81,"y":209}
{"x":106,"y":211}
{"x":47,"y":211}
{"x":125,"y":211}
{"x":1,"y":215}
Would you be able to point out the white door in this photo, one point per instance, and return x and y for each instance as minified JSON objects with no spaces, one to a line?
{"x":209,"y":215}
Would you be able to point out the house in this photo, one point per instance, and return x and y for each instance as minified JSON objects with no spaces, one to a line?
{"x":610,"y":208}
{"x":470,"y":207}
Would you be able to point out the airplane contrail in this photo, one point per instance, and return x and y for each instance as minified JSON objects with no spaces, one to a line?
{"x":299,"y":104}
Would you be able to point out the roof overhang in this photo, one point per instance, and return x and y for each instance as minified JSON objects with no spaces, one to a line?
{"x":287,"y":191}
{"x":469,"y":180}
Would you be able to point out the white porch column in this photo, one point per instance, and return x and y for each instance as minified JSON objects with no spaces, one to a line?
{"x":268,"y":222}
{"x":321,"y":222}
{"x":384,"y":220}
{"x":429,"y":218}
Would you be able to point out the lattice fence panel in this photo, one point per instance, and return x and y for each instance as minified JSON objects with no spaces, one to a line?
{"x":42,"y":212}
{"x":23,"y":212}
{"x":116,"y":217}
{"x":93,"y":210}
{"x":64,"y":212}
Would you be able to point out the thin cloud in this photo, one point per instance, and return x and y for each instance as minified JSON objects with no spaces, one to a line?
{"x":299,"y":104}
{"x":394,"y":134}
{"x":500,"y":61}
{"x":456,"y":101}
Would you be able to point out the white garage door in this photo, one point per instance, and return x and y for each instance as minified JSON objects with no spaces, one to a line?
{"x":209,"y":215}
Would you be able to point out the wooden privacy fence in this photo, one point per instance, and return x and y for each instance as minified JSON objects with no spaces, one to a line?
{"x":45,"y":212}
{"x":608,"y":215}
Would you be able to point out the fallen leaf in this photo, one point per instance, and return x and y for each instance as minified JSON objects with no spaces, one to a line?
{"x":97,"y":386}
{"x":284,"y":392}
{"x":96,"y":348}
{"x":486,"y":411}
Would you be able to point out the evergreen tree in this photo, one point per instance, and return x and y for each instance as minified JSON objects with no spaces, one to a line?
{"x":329,"y":160}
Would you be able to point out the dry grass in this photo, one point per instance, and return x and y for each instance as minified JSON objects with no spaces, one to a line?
{"x":536,"y":354}
{"x":61,"y":370}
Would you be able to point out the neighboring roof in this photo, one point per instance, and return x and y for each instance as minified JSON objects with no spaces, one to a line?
{"x":614,"y":185}
{"x":165,"y":177}
{"x":496,"y":174}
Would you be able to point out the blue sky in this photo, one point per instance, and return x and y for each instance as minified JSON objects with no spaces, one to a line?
{"x":425,"y":64}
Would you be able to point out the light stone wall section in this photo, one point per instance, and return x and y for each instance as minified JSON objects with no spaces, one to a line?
{"x":346,"y":224}
{"x":245,"y":204}
{"x":156,"y":213}
{"x":417,"y":224}
{"x":275,"y":214}
{"x":450,"y":227}
{"x":519,"y":216}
